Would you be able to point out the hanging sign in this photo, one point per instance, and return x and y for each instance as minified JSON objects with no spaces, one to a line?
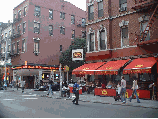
{"x":77,"y":54}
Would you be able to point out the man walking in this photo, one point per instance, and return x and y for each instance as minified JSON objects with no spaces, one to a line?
{"x":50,"y":89}
{"x":22,"y":86}
{"x":135,"y":87}
{"x":123,"y":90}
{"x":76,"y":92}
{"x":17,"y":84}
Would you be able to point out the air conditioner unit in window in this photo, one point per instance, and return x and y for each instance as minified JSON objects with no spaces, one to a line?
{"x":123,"y":9}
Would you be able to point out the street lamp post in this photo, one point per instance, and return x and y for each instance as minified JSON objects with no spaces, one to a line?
{"x":5,"y":63}
{"x":60,"y":81}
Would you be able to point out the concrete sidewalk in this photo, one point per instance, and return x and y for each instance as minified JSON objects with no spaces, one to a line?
{"x":110,"y":100}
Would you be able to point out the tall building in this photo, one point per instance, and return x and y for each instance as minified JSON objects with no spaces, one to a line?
{"x":41,"y":31}
{"x":123,"y":35}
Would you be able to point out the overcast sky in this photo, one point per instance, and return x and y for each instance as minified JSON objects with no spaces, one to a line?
{"x":7,"y":6}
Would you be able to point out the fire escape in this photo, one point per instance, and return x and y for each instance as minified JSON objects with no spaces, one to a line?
{"x":146,"y":6}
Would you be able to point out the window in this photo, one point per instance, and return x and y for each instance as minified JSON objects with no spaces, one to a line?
{"x":123,"y":5}
{"x":9,"y":48}
{"x":91,"y":47}
{"x":23,"y":45}
{"x":72,"y":19}
{"x":143,"y":27}
{"x":100,"y":9}
{"x":13,"y":48}
{"x":10,"y":33}
{"x":19,"y":14}
{"x":37,"y":11}
{"x":125,"y":41}
{"x":62,"y":30}
{"x":90,"y":12}
{"x":24,"y":26}
{"x":18,"y":47}
{"x":25,"y":10}
{"x":73,"y":34}
{"x":60,"y":48}
{"x":51,"y":14}
{"x":83,"y":22}
{"x":102,"y":40}
{"x":14,"y":16}
{"x":18,"y":29}
{"x":62,"y":15}
{"x":6,"y":35}
{"x":36,"y":47}
{"x":50,"y":30}
{"x":36,"y":27}
{"x":83,"y":34}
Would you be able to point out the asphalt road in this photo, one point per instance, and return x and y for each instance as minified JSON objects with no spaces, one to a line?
{"x":30,"y":105}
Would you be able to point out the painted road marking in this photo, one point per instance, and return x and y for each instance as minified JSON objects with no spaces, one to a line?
{"x":29,"y":95}
{"x":1,"y":92}
{"x":30,"y":98}
{"x":8,"y":99}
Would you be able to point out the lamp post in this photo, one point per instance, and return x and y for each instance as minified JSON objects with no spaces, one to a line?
{"x":5,"y":63}
{"x":60,"y":81}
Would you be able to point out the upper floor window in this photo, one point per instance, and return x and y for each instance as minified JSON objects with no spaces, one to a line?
{"x":10,"y":33}
{"x":13,"y":48}
{"x":73,"y":33}
{"x":36,"y":27}
{"x":25,"y":10}
{"x":23,"y":45}
{"x":18,"y":29}
{"x":18,"y":47}
{"x":36,"y":47}
{"x":125,"y":40}
{"x":19,"y":14}
{"x":102,"y":40}
{"x":6,"y":35}
{"x":90,"y":12}
{"x":50,"y":30}
{"x":24,"y":27}
{"x":62,"y":30}
{"x":100,"y":9}
{"x":9,"y":48}
{"x":37,"y":11}
{"x":91,"y":44}
{"x":72,"y":19}
{"x":60,"y":48}
{"x":14,"y":16}
{"x":123,"y":5}
{"x":51,"y":14}
{"x":83,"y":34}
{"x":62,"y":15}
{"x":83,"y":22}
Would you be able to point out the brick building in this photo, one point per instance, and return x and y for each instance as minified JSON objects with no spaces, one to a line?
{"x":121,"y":32}
{"x":41,"y":31}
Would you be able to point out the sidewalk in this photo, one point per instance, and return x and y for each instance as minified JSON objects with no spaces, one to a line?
{"x":110,"y":100}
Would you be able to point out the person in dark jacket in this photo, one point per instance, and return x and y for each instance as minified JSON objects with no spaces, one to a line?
{"x":76,"y":92}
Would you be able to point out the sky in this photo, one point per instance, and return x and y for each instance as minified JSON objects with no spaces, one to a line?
{"x":7,"y":6}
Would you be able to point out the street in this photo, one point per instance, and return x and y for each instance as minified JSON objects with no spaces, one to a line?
{"x":14,"y":104}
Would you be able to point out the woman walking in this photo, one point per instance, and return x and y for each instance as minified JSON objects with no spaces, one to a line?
{"x":123,"y":90}
{"x":135,"y":87}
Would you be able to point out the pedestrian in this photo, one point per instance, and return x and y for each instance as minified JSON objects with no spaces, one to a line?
{"x":17,"y":84}
{"x":76,"y":92}
{"x":22,"y":86}
{"x":123,"y":90}
{"x":50,"y":87}
{"x":135,"y":87}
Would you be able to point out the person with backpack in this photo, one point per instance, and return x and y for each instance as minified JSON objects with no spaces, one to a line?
{"x":50,"y":87}
{"x":76,"y":92}
{"x":135,"y":87}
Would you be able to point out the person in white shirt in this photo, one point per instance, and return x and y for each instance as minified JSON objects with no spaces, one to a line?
{"x":123,"y":89}
{"x":135,"y":87}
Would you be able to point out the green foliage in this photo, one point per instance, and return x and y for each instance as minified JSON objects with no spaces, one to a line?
{"x":66,"y":56}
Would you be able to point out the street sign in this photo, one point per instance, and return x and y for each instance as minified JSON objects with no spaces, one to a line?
{"x":66,"y":68}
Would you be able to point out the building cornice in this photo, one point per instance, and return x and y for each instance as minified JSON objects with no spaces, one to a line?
{"x":110,"y":18}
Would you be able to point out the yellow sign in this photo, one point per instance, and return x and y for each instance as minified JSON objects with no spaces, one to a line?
{"x":66,"y":68}
{"x":139,"y":65}
{"x":109,"y":67}
{"x":85,"y":68}
{"x":104,"y":92}
{"x":126,"y":95}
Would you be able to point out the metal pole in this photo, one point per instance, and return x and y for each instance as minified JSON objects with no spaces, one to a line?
{"x":60,"y":81}
{"x":53,"y":75}
{"x":67,"y":77}
{"x":5,"y":62}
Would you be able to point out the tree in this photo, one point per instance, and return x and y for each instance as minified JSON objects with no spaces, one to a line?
{"x":66,"y":56}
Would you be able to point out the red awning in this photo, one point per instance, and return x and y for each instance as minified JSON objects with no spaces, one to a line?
{"x":87,"y":68}
{"x":140,"y":65}
{"x":111,"y":67}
